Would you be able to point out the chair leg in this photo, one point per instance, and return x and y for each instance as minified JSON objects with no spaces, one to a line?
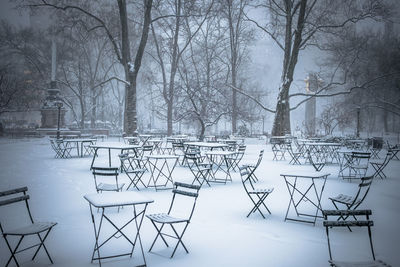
{"x":13,"y":252}
{"x":158,"y":234}
{"x":179,"y":239}
{"x":42,"y":244}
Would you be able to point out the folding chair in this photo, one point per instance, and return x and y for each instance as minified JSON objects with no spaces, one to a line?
{"x":40,"y":229}
{"x":103,"y":173}
{"x":278,"y":152}
{"x":57,"y":149}
{"x":293,"y":155}
{"x":237,"y":157}
{"x":201,"y":171}
{"x":88,"y":150}
{"x":379,"y":165}
{"x":162,"y":219}
{"x":353,"y":202}
{"x":133,"y":168}
{"x":179,"y":150}
{"x":252,"y":167}
{"x":318,"y":165}
{"x":377,"y":144}
{"x":358,"y":165}
{"x":360,"y":223}
{"x":257,"y":196}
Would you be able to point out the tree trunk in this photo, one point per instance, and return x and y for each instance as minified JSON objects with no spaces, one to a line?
{"x":93,"y":107}
{"x":174,"y":66}
{"x":132,"y":69}
{"x":281,"y":124}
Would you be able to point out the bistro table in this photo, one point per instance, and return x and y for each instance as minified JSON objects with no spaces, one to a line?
{"x":209,"y":145}
{"x":324,"y":151}
{"x":79,"y":142}
{"x":112,"y":145}
{"x":161,"y":166}
{"x":219,"y":159}
{"x":117,"y":199}
{"x":303,"y":189}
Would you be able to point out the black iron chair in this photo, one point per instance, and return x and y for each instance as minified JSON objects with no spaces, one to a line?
{"x":294,"y":155}
{"x":133,"y":168}
{"x":358,"y":165}
{"x":317,"y":164}
{"x":277,"y":149}
{"x":39,"y":229}
{"x":201,"y":171}
{"x":380,"y":165}
{"x":256,"y":195}
{"x":237,"y":157}
{"x":178,"y":149}
{"x":353,"y":202}
{"x":104,"y":173}
{"x":162,"y":219}
{"x":359,"y":223}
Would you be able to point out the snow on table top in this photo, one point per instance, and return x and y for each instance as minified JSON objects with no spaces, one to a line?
{"x":113,"y":199}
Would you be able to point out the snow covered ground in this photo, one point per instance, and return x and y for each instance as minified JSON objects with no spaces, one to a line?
{"x":219,"y":235}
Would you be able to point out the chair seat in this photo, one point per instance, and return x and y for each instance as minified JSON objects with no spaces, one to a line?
{"x":344,"y":199}
{"x":376,"y":263}
{"x":261,"y":191}
{"x":165,"y":218}
{"x":109,"y":187}
{"x":34,"y":228}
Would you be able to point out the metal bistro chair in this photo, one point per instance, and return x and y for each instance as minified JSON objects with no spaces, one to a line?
{"x":256,"y":195}
{"x":179,"y":150}
{"x":133,"y":168}
{"x":295,"y":155}
{"x":162,"y":219}
{"x":252,"y":167}
{"x":358,"y":165}
{"x":103,"y":173}
{"x":379,"y":165}
{"x":57,"y":149}
{"x":277,"y":149}
{"x":353,"y":202}
{"x":40,"y":229}
{"x":201,"y":171}
{"x":360,"y":223}
{"x":317,"y":164}
{"x":237,"y":157}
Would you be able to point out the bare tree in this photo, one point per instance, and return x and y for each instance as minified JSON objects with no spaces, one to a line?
{"x":121,"y":45}
{"x":295,"y":25}
{"x":172,"y":38}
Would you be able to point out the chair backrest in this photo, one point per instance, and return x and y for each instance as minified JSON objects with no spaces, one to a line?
{"x":328,"y":224}
{"x":192,"y":158}
{"x":105,"y":172}
{"x":12,"y":196}
{"x":245,"y":175}
{"x":361,"y":155}
{"x":260,"y":157}
{"x":177,"y":145}
{"x":186,"y":191}
{"x":240,"y":152}
{"x":363,"y":189}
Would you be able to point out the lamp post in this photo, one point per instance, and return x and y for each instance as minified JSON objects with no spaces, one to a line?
{"x":59,"y":105}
